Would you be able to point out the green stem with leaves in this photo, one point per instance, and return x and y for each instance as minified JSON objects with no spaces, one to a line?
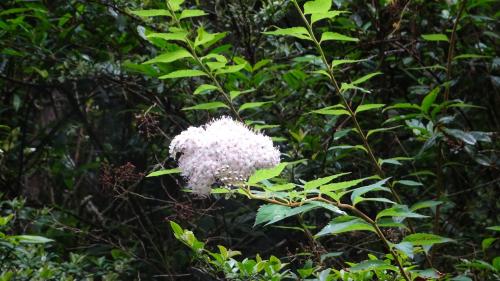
{"x":205,"y":69}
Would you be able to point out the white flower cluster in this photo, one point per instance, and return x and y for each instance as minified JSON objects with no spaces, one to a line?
{"x":222,"y":150}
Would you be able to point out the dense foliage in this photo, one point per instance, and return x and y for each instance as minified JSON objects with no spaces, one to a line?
{"x":384,"y":111}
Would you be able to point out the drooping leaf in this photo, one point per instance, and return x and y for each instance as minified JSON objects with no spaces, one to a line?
{"x":379,"y":130}
{"x":365,"y":78}
{"x":357,"y":192}
{"x":272,"y":213}
{"x":164,"y":172}
{"x":425,"y":204}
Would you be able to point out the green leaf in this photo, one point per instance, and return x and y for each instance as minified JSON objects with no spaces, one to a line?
{"x":494,"y":228}
{"x":486,"y":243}
{"x":164,"y":172}
{"x":341,"y":185}
{"x":6,"y":219}
{"x":379,"y":130}
{"x":405,"y":247}
{"x":345,"y":224}
{"x":365,"y":107}
{"x":403,"y":106}
{"x":177,"y":229}
{"x":435,"y":37}
{"x":369,"y":265}
{"x":265,"y":174}
{"x":32,"y":239}
{"x":365,"y":78}
{"x":409,"y":183}
{"x":426,"y":239}
{"x":356,"y":194}
{"x":334,"y":36}
{"x":191,"y":13}
{"x":272,"y":213}
{"x":183,"y":73}
{"x":332,"y":110}
{"x":321,"y":181}
{"x":207,"y":106}
{"x":173,"y":36}
{"x":249,"y":105}
{"x":470,"y":56}
{"x":425,"y":204}
{"x":340,"y":62}
{"x":401,"y":211}
{"x":298,"y":32}
{"x":206,"y":39}
{"x":429,"y":100}
{"x":170,"y":57}
{"x":280,"y":187}
{"x":230,"y":69}
{"x":204,"y":88}
{"x":151,"y":13}
{"x":322,"y":15}
{"x":317,"y":6}
{"x":466,"y":137}
{"x":175,"y":4}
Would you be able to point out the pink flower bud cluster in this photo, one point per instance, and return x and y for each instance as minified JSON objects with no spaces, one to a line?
{"x":223,"y":150}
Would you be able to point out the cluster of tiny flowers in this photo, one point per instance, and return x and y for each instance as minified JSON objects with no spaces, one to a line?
{"x":223,"y":150}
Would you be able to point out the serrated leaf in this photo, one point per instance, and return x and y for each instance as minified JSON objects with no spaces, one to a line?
{"x":265,"y":174}
{"x":345,"y":224}
{"x":334,"y":36}
{"x":207,"y":106}
{"x":317,"y":6}
{"x":204,"y":88}
{"x":191,"y":13}
{"x":170,"y":57}
{"x":298,"y":31}
{"x":173,"y":36}
{"x":249,"y":105}
{"x":321,"y":181}
{"x":183,"y":73}
{"x":365,"y":107}
{"x":426,"y":239}
{"x":151,"y":13}
{"x":372,"y":265}
{"x":401,"y":211}
{"x":164,"y":172}
{"x":435,"y":37}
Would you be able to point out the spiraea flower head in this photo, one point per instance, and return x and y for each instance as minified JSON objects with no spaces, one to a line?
{"x":222,"y":150}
